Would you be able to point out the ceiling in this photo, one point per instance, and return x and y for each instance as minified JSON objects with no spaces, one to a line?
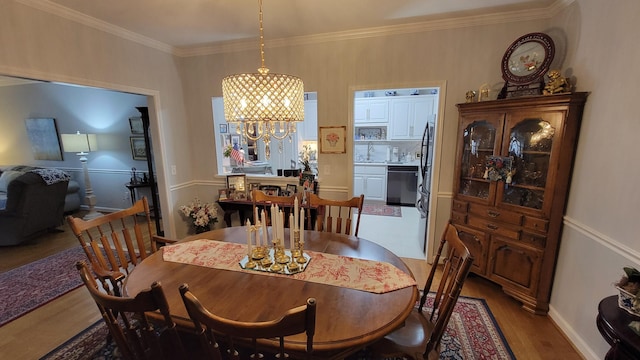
{"x":192,"y":23}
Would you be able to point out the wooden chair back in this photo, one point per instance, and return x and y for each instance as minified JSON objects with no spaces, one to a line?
{"x":217,"y":333}
{"x":262,"y":201}
{"x":133,"y":333}
{"x":421,"y":335}
{"x":335,"y":212}
{"x":117,"y":242}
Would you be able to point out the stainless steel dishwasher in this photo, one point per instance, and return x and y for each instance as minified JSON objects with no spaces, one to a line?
{"x":402,"y":185}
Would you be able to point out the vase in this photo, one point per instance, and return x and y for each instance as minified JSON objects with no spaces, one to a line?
{"x":201,"y":229}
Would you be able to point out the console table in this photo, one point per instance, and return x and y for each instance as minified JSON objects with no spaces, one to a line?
{"x":613,"y":324}
{"x":132,"y":190}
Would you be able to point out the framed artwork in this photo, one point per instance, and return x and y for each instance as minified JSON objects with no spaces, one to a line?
{"x":224,"y":128}
{"x":43,"y":135}
{"x":138,"y":149}
{"x":135,"y":124}
{"x":333,"y":139}
{"x":235,"y":139}
{"x":253,"y":186}
{"x":237,"y":183}
{"x":292,"y":189}
{"x":271,"y":190}
{"x":222,"y":194}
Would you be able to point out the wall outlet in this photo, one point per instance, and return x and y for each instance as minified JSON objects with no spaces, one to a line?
{"x":418,"y":155}
{"x":326,"y":170}
{"x":173,"y":170}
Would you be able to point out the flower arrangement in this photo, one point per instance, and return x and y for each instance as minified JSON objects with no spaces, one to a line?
{"x":227,"y":150}
{"x":202,"y":216}
{"x":306,"y":155}
{"x":332,"y":138}
{"x":629,"y":286}
{"x":499,"y":169}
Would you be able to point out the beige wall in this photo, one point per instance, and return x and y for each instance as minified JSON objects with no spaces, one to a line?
{"x":601,"y":227}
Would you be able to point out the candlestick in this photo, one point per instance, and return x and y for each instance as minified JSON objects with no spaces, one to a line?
{"x":250,"y":263}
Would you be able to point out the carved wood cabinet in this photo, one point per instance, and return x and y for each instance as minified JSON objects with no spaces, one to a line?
{"x":513,"y":168}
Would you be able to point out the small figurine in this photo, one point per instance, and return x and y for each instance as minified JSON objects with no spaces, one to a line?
{"x":470,"y":95}
{"x":557,"y":83}
{"x":510,"y":174}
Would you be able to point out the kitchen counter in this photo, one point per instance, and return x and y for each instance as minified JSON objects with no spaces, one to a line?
{"x":390,"y":163}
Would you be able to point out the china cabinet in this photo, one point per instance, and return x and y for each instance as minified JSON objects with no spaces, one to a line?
{"x":513,"y":168}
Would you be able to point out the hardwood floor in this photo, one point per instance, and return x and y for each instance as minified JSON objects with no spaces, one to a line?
{"x":529,"y":336}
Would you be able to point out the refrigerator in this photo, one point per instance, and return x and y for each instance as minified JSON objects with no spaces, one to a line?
{"x":424,"y":179}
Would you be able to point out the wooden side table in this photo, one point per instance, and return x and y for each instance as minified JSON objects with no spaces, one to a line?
{"x":613,"y":324}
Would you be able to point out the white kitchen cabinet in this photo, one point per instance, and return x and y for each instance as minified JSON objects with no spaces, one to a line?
{"x":370,"y":181}
{"x":409,"y":116}
{"x":371,"y":110}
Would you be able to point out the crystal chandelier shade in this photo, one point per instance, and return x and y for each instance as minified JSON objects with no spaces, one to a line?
{"x":264,"y":105}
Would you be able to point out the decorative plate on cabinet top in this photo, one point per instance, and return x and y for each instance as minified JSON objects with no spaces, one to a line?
{"x":528,"y":58}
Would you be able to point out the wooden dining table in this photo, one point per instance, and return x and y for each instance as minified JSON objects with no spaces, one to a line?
{"x":347,"y":319}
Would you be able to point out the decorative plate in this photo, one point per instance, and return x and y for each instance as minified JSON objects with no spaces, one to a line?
{"x":528,"y":58}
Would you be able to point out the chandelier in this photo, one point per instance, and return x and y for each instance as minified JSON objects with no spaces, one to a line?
{"x":264,"y":105}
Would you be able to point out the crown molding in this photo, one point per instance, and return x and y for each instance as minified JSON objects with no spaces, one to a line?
{"x":244,"y":45}
{"x":69,"y":14}
{"x":426,"y":26}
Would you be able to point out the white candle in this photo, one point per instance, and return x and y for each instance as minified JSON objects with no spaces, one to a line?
{"x":248,"y":226}
{"x":273,"y":222}
{"x":302,"y":227}
{"x":295,"y":215}
{"x":292,"y":224}
{"x":265,"y":238}
{"x":255,"y":215}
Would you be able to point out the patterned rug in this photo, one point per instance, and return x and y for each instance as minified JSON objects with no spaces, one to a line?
{"x":381,"y":210}
{"x":32,"y":285}
{"x":472,"y":334}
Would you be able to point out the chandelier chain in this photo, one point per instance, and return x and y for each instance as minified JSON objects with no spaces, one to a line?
{"x":261,"y":35}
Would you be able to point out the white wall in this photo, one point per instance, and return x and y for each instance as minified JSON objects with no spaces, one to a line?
{"x":601,"y":227}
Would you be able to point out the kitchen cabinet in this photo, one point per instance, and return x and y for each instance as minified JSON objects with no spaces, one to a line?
{"x":371,"y":110}
{"x":370,"y":180}
{"x":513,"y":166}
{"x":409,"y":116}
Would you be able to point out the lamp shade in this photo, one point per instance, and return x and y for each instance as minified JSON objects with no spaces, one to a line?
{"x":79,"y":143}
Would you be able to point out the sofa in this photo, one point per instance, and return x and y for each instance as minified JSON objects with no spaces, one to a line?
{"x":31,"y":202}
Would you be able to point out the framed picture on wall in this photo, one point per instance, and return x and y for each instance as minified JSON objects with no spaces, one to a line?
{"x":332,"y":139}
{"x":138,"y":148}
{"x":224,"y":128}
{"x":135,"y":124}
{"x":43,"y":135}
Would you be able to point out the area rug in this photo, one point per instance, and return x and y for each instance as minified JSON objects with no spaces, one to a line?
{"x":472,"y":334}
{"x":30,"y":286}
{"x":381,"y":210}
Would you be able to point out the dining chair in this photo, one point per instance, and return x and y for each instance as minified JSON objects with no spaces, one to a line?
{"x":115,"y":243}
{"x":134,"y":334}
{"x":338,"y":212}
{"x":420,"y":337}
{"x":262,"y":201}
{"x":240,"y":338}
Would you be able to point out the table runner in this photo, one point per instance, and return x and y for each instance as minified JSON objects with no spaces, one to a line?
{"x":337,"y":270}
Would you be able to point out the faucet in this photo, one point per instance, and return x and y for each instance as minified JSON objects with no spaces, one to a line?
{"x":369,"y":150}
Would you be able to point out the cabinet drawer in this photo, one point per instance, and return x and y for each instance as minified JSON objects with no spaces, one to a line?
{"x":460,"y":206}
{"x":494,"y":227}
{"x":536,"y":223}
{"x":370,"y":170}
{"x":496,"y":214}
{"x":534,"y":240}
{"x":458,"y":217}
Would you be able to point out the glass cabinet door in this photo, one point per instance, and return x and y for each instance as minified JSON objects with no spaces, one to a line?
{"x":530,"y":142}
{"x":480,"y":139}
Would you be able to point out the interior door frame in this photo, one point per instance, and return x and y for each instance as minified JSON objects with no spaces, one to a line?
{"x":434,"y":225}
